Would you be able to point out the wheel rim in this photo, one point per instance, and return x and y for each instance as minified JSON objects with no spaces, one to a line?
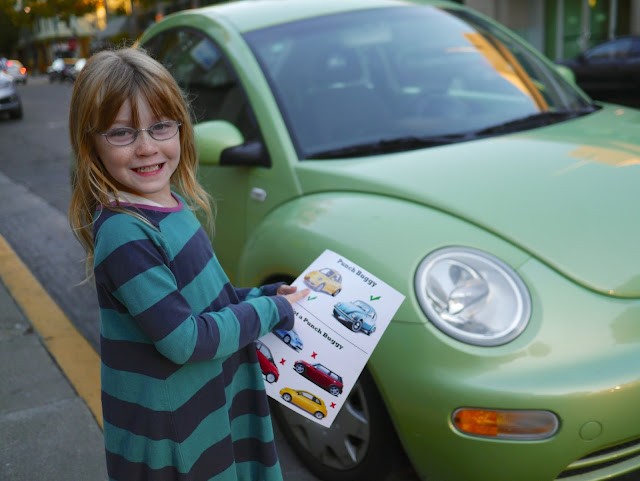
{"x":334,"y":390}
{"x":343,"y":446}
{"x":299,"y":368}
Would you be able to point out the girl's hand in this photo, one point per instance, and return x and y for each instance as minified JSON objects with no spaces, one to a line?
{"x":291,"y":294}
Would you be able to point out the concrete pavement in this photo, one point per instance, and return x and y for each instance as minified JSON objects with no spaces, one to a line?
{"x":48,"y":430}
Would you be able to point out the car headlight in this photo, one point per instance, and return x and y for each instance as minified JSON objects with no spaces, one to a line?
{"x":472,"y":296}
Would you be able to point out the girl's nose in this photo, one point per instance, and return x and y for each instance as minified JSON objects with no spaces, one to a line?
{"x":145,"y":144}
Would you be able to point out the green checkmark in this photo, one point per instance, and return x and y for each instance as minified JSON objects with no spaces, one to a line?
{"x":374,"y":298}
{"x":311,"y":298}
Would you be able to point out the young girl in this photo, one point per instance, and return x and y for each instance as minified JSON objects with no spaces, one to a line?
{"x":182,"y":392}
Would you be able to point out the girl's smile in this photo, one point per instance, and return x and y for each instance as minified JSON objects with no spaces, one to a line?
{"x":148,"y":170}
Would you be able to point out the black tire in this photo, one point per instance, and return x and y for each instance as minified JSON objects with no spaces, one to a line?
{"x":287,"y":339}
{"x":287,"y":397}
{"x":318,"y":415}
{"x":16,"y":114}
{"x":271,"y":378}
{"x":334,"y":390}
{"x":361,"y":445}
{"x":299,"y":368}
{"x":336,"y":293}
{"x":356,"y":324}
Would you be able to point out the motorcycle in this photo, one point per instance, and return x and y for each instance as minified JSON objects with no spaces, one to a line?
{"x":59,"y":71}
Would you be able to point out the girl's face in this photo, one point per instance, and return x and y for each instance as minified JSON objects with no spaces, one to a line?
{"x":145,"y":166}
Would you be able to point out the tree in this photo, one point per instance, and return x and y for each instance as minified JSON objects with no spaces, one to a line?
{"x":9,"y":27}
{"x":63,"y":9}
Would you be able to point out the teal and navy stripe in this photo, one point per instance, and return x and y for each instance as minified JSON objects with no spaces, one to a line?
{"x":182,"y":392}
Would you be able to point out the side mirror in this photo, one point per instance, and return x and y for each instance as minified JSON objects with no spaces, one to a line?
{"x":213,"y":137}
{"x":566,"y":73}
{"x":219,"y":142}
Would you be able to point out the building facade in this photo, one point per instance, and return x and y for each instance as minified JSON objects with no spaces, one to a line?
{"x":559,"y":28}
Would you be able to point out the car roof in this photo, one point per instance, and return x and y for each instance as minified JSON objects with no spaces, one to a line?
{"x":247,"y":15}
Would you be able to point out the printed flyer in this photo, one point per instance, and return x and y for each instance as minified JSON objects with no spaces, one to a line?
{"x":313,"y":367}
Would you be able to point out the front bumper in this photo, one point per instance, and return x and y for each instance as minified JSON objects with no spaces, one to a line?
{"x":9,"y":100}
{"x":578,"y":358}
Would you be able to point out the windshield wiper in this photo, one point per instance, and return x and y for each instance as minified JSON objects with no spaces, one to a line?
{"x":387,"y":146}
{"x":413,"y":142}
{"x":536,"y":120}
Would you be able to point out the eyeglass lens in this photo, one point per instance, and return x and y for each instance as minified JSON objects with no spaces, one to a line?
{"x":126,"y":135}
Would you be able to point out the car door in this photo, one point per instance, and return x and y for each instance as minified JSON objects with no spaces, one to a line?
{"x":243,"y":194}
{"x":320,"y":375}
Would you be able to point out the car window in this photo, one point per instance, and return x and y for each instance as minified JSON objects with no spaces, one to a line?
{"x":203,"y":72}
{"x":619,"y":48}
{"x":399,"y":73}
{"x":322,"y":369}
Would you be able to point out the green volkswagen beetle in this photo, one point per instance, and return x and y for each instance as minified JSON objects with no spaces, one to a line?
{"x":433,"y":147}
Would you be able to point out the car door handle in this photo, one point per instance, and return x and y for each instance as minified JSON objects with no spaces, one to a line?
{"x":258,"y":194}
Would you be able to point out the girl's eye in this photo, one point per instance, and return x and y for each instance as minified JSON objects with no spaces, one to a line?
{"x":120,"y":133}
{"x":160,"y":126}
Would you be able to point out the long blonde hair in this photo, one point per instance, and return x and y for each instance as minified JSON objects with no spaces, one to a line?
{"x":108,"y":79}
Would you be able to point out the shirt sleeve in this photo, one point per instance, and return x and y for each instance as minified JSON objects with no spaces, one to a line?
{"x":137,"y":276}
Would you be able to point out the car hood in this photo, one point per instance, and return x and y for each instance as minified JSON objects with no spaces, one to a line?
{"x":567,"y":193}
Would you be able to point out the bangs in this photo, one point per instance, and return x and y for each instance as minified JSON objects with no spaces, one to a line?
{"x":128,"y":83}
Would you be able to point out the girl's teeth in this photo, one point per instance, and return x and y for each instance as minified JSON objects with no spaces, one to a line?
{"x":150,"y":168}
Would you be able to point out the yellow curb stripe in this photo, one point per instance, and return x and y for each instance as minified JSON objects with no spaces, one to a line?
{"x":75,"y":356}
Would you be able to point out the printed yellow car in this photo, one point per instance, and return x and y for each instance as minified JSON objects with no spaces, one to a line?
{"x":305,"y":401}
{"x":324,"y":280}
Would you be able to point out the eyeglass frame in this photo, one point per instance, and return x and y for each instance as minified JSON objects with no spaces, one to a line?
{"x":136,"y":132}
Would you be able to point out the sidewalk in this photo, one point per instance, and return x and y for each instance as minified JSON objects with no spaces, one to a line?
{"x":47,"y":431}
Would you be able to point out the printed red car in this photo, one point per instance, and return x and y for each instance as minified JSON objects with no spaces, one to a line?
{"x":267,"y":364}
{"x":320,"y":375}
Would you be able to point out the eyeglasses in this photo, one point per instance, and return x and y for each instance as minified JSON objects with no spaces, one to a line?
{"x":126,"y":135}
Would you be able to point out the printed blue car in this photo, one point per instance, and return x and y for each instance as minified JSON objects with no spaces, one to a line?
{"x":358,"y":315}
{"x":290,"y":338}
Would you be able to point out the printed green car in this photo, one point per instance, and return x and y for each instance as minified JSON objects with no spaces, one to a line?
{"x":436,"y":149}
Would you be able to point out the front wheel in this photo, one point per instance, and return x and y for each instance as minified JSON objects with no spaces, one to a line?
{"x":360,"y":445}
{"x":271,"y":378}
{"x":299,"y":368}
{"x":287,"y":397}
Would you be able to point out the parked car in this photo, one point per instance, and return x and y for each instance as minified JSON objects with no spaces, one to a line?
{"x":357,"y":315}
{"x":16,"y":70}
{"x":10,"y":100}
{"x":610,"y":71}
{"x":432,"y":146}
{"x":267,"y":364}
{"x":305,"y":401}
{"x":320,"y":375}
{"x":290,"y":337}
{"x":324,"y":280}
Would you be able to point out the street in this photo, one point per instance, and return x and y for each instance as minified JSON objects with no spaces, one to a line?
{"x":34,"y":184}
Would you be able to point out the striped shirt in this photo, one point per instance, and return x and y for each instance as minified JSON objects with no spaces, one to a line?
{"x":182,"y":392}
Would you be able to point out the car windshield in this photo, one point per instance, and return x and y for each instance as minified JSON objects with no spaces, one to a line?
{"x":391,"y":79}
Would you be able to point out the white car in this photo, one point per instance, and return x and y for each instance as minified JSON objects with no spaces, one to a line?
{"x":9,"y":97}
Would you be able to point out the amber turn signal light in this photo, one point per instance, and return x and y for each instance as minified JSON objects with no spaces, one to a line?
{"x":523,"y":425}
